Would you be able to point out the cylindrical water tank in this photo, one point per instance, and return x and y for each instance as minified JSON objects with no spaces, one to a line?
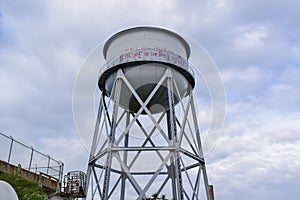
{"x":144,"y":54}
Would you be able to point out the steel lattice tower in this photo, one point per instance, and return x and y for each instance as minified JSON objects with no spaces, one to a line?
{"x":147,"y":138}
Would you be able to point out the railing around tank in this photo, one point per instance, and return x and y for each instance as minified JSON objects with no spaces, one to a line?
{"x":149,"y":54}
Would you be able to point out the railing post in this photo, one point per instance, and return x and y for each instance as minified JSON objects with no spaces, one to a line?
{"x":48,"y":164}
{"x":10,"y":149}
{"x":61,"y":168}
{"x":30,"y":159}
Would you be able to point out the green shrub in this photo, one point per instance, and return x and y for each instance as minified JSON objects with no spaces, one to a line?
{"x":25,"y":189}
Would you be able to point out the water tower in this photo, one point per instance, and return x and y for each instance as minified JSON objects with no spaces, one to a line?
{"x":147,"y":138}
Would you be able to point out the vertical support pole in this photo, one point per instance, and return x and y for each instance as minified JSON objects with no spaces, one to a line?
{"x":125,"y":157}
{"x":10,"y":149}
{"x":92,"y":186}
{"x":211,"y":189}
{"x":94,"y":142}
{"x":61,"y":169}
{"x":30,"y":162}
{"x":172,"y":174}
{"x":96,"y":132}
{"x":60,"y":174}
{"x":174,"y":140}
{"x":48,"y":164}
{"x":206,"y":182}
{"x":200,"y":148}
{"x":111,"y":138}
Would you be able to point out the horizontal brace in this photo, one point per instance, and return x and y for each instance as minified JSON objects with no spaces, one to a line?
{"x":133,"y":173}
{"x":143,"y":149}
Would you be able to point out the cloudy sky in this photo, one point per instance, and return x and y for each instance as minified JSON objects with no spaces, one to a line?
{"x":255,"y":44}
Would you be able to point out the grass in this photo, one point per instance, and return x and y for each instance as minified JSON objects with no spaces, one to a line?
{"x":25,"y":189}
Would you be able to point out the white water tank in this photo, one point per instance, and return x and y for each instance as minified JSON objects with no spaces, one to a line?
{"x":7,"y":192}
{"x":144,"y":54}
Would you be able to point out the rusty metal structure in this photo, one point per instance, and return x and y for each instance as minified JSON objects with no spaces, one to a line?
{"x":74,"y":184}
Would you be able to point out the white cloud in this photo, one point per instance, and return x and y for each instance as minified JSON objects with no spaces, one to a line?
{"x":295,"y":52}
{"x":250,"y":37}
{"x":250,"y":156}
{"x":68,"y":149}
{"x":251,"y":74}
{"x":255,"y":44}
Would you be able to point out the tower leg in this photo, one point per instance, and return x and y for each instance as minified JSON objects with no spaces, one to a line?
{"x":125,"y":157}
{"x":111,"y":139}
{"x":175,"y":163}
{"x":94,"y":144}
{"x":206,"y":184}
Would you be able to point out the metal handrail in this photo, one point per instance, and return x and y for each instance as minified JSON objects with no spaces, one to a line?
{"x":57,"y":167}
